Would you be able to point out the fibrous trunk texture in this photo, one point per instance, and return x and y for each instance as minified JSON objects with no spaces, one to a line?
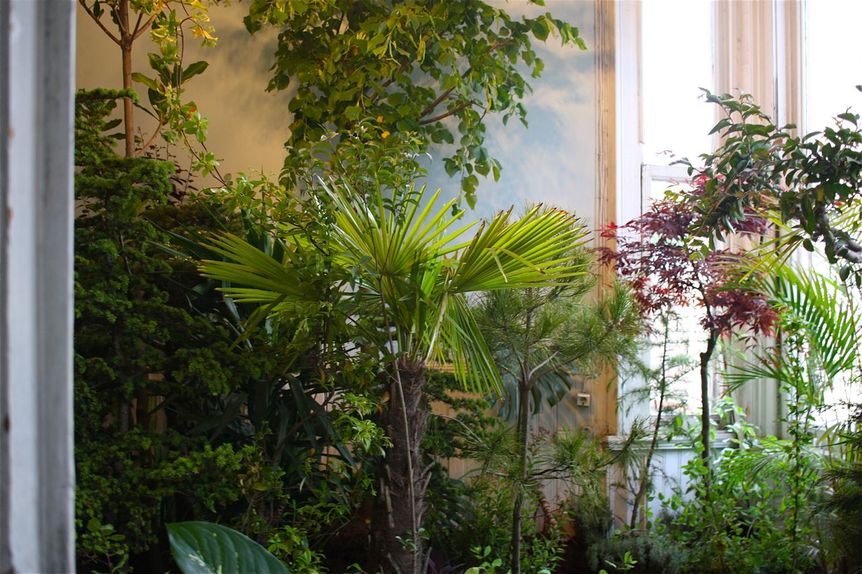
{"x":402,"y":483}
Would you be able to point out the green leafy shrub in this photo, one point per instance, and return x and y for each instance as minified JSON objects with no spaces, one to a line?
{"x":653,"y":554}
{"x":174,"y":418}
{"x":757,"y":516}
{"x":405,"y":67}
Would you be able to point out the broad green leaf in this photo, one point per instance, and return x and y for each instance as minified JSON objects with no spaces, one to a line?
{"x":352,"y":112}
{"x":194,"y":69}
{"x":207,"y":548}
{"x":540,"y":30}
{"x":148,"y":82}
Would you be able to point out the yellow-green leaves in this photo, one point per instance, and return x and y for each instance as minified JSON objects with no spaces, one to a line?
{"x":402,"y":260}
{"x":533,"y":251}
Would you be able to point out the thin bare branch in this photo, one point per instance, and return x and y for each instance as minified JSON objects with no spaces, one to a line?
{"x":122,"y":17}
{"x":445,"y":95}
{"x":145,"y":27}
{"x":459,"y":108}
{"x":433,"y":105}
{"x":152,"y":137}
{"x":137,"y":24}
{"x":98,"y":21}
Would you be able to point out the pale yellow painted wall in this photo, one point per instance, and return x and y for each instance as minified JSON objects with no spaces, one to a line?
{"x":248,"y":126}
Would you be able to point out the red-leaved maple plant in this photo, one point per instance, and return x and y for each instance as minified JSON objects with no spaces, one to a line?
{"x":666,"y":257}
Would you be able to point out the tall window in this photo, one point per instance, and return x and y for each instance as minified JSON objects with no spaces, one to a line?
{"x":831,"y":67}
{"x":762,"y":48}
{"x":831,"y":28}
{"x":676,"y":60}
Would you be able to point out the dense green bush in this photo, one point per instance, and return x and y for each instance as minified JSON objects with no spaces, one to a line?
{"x":653,"y":553}
{"x":744,"y":525}
{"x":142,"y":356}
{"x":175,"y":418}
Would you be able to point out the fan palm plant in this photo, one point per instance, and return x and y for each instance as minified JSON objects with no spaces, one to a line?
{"x":404,"y":272}
{"x":814,"y":308}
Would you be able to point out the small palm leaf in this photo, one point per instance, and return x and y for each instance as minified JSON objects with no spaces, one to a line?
{"x":533,"y":251}
{"x":815,"y":306}
{"x":390,"y":241}
{"x":464,"y":344}
{"x":818,"y":304}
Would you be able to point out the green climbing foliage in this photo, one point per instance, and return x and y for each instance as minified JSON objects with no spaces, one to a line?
{"x":433,"y":69}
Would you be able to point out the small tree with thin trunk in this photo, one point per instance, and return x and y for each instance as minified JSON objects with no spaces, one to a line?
{"x":542,"y":339}
{"x":669,"y":263}
{"x":168,"y":22}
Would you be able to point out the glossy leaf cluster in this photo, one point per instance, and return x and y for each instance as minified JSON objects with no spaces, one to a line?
{"x":810,"y":183}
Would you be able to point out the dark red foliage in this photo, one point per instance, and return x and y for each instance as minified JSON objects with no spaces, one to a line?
{"x":661,"y":255}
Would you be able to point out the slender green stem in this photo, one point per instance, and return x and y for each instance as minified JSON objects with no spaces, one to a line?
{"x":644,"y":482}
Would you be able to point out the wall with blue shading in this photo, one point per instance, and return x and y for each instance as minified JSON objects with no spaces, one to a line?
{"x":552,"y":161}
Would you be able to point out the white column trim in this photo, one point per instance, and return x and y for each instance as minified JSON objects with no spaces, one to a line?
{"x":36,"y":499}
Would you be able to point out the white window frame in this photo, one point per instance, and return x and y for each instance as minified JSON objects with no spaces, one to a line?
{"x":758,"y":50}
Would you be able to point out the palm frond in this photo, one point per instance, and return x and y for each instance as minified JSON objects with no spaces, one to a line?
{"x":462,"y":343}
{"x":814,"y":306}
{"x":533,"y":251}
{"x":392,"y":240}
{"x":818,"y":305}
{"x":399,"y":259}
{"x":264,"y":278}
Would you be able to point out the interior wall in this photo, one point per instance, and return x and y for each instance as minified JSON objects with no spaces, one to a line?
{"x":552,"y":161}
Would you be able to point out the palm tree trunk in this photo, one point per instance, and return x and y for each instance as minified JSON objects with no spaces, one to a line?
{"x":403,"y":481}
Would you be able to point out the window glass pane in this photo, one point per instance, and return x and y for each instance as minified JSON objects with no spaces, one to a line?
{"x":659,"y":187}
{"x":677,"y":61}
{"x":831,"y":71}
{"x":832,"y":65}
